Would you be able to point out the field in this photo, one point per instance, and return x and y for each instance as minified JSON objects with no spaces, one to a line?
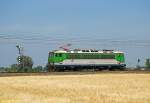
{"x":76,"y":88}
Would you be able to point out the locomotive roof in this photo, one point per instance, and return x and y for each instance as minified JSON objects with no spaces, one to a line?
{"x":86,"y":51}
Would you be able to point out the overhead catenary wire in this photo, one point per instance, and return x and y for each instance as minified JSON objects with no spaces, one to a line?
{"x":58,"y":38}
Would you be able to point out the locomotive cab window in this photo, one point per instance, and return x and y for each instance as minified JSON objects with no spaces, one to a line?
{"x":51,"y":54}
{"x":58,"y":55}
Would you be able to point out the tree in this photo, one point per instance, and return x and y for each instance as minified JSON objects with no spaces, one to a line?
{"x":45,"y":69}
{"x":14,"y":68}
{"x":27,"y":69}
{"x":2,"y":69}
{"x":147,"y":63}
{"x":25,"y":63}
{"x":7,"y":69}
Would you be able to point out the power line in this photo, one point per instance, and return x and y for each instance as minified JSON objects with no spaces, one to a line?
{"x":46,"y":39}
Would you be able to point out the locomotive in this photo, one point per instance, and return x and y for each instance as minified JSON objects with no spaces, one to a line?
{"x":85,"y":59}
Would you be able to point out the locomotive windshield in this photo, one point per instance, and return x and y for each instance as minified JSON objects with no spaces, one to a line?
{"x":51,"y":54}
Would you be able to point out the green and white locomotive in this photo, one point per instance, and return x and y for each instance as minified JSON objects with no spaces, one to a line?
{"x":60,"y":60}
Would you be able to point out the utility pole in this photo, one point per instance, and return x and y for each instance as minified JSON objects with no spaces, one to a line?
{"x":20,"y":49}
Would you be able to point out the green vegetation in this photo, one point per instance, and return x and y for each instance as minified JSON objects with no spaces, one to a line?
{"x":25,"y":61}
{"x":25,"y":64}
{"x":147,"y":63}
{"x":15,"y":68}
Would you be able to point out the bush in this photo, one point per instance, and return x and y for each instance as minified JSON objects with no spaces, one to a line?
{"x":2,"y":69}
{"x":38,"y":69}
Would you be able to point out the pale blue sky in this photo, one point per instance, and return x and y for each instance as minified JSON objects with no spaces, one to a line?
{"x":42,"y":25}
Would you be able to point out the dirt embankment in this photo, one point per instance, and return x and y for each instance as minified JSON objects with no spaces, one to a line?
{"x":70,"y":73}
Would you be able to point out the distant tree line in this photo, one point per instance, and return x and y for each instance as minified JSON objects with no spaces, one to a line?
{"x":25,"y":64}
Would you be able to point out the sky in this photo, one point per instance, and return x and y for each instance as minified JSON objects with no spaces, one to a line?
{"x":43,"y":25}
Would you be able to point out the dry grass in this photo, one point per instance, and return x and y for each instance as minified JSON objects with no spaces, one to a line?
{"x":90,"y":88}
